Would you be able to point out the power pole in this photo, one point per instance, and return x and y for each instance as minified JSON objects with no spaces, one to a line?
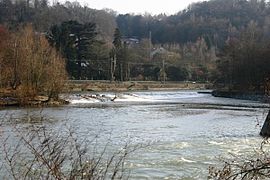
{"x":128,"y":72}
{"x":163,"y":67}
{"x":112,"y":65}
{"x":121,"y":72}
{"x":150,"y":45}
{"x":111,"y":69}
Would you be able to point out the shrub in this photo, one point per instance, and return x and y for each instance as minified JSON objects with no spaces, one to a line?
{"x":39,"y":153}
{"x":31,"y":66}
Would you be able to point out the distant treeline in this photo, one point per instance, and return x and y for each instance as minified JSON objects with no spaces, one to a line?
{"x":214,"y":20}
{"x":221,"y":41}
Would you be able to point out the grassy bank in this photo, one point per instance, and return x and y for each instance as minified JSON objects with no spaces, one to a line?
{"x":86,"y":85}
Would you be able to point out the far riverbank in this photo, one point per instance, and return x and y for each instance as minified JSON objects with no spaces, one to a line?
{"x":245,"y":95}
{"x":105,"y":86}
{"x":9,"y":97}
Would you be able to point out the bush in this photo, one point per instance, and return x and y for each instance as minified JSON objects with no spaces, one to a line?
{"x":256,"y":167}
{"x":30,"y":66}
{"x":39,"y":153}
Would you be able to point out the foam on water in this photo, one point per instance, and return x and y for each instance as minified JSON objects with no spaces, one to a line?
{"x":83,"y":101}
{"x":133,"y":97}
{"x":186,"y":99}
{"x":187,"y":160}
{"x":215,"y":143}
{"x":186,"y":131}
{"x":101,"y":98}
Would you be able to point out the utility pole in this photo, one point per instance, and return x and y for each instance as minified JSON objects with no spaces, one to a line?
{"x":111,"y":69}
{"x":15,"y":70}
{"x":163,"y":68}
{"x":150,"y":45}
{"x":113,"y":64}
{"x":128,"y":72}
{"x":121,"y":72}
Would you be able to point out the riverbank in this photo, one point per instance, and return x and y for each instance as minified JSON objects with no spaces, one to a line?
{"x":245,"y":95}
{"x":9,"y":97}
{"x":38,"y":101}
{"x":105,"y":86}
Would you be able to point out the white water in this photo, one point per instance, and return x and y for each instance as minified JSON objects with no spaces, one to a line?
{"x":134,"y":97}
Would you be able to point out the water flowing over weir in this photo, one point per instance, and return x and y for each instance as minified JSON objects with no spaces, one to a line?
{"x":187,"y":131}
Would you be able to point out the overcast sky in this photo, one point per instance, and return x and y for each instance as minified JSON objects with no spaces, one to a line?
{"x":139,"y":6}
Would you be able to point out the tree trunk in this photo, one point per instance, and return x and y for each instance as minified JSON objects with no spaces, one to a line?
{"x":121,"y":72}
{"x":79,"y":75}
{"x":265,"y":131}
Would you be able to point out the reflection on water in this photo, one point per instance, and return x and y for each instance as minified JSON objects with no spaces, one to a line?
{"x":188,"y":131}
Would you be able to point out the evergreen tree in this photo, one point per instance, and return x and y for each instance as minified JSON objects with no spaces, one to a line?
{"x":74,"y":40}
{"x":117,"y":42}
{"x":119,"y":56}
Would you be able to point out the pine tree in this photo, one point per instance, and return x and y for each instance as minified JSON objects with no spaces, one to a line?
{"x":74,"y":40}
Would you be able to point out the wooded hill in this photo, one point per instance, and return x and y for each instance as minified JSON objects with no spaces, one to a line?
{"x":216,"y":40}
{"x":214,"y":20}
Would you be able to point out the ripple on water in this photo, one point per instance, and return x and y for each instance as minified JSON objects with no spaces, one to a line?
{"x":187,"y":132}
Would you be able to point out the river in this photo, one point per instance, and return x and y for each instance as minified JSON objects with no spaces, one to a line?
{"x":185,"y":131}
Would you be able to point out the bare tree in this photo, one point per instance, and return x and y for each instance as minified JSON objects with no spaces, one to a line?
{"x":256,"y":167}
{"x":40,"y":153}
{"x":32,"y":67}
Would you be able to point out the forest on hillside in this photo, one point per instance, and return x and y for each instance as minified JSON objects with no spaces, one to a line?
{"x":226,"y":42}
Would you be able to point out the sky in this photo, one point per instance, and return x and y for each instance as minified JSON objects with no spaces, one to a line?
{"x":140,"y":6}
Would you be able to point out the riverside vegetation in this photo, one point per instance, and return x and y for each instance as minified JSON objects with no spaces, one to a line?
{"x":31,"y":71}
{"x":224,"y":42}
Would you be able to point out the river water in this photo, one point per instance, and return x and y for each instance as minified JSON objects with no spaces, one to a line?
{"x":185,"y":132}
